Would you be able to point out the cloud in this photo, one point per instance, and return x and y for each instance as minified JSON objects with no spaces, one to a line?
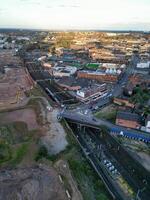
{"x":31,"y":2}
{"x":2,"y":10}
{"x":68,"y":6}
{"x":63,"y":6}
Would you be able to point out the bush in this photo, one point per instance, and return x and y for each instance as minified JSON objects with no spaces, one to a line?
{"x":4,"y":152}
{"x":42,"y":153}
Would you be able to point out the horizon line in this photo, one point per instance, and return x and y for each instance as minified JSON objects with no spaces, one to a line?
{"x":73,"y":30}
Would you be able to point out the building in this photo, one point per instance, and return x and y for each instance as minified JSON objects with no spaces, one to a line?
{"x":143,"y":65}
{"x":92,"y":92}
{"x":64,"y":71}
{"x":147,"y":125}
{"x":47,"y":65}
{"x":127,"y":119}
{"x":123,"y":102}
{"x":73,"y":84}
{"x":98,"y":75}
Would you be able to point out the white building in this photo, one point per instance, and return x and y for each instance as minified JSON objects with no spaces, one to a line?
{"x":64,"y":71}
{"x":143,"y":65}
{"x":93,"y":92}
{"x":148,"y":124}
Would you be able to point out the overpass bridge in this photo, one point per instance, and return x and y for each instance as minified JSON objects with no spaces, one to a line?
{"x":93,"y":122}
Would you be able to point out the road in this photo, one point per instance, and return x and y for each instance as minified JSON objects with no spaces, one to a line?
{"x":89,"y":119}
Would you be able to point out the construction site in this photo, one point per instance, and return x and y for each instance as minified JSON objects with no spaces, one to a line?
{"x":14,"y":80}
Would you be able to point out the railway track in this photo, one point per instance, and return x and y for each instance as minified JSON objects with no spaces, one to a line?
{"x":133,"y":172}
{"x":47,"y":83}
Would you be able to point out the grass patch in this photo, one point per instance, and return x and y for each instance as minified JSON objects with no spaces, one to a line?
{"x":14,"y":133}
{"x":19,"y":154}
{"x":35,"y":91}
{"x":93,"y":66}
{"x":14,"y":142}
{"x":5,"y":153}
{"x":109,"y":115}
{"x":88,"y":181}
{"x":42,"y":153}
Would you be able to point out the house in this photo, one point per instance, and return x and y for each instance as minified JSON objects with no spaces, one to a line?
{"x":123,"y":102}
{"x":127,"y":119}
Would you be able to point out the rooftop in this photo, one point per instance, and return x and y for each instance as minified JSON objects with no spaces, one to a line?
{"x":128,"y":116}
{"x":72,"y":81}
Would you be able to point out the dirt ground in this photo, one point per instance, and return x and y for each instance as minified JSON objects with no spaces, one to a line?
{"x":13,"y":86}
{"x":63,"y":169}
{"x":32,"y":183}
{"x":24,"y":115}
{"x":7,"y":58}
{"x":55,"y":137}
{"x":14,"y":81}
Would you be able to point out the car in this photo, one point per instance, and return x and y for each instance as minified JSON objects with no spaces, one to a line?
{"x":94,"y":119}
{"x":109,"y":164}
{"x":86,"y":112}
{"x":105,"y":162}
{"x":111,"y":168}
{"x":48,"y":108}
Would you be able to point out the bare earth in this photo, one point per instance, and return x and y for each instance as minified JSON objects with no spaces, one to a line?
{"x":24,"y":115}
{"x":63,"y":168}
{"x":34,"y":183}
{"x":55,"y":138}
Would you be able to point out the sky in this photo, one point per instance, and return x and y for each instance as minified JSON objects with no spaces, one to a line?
{"x":76,"y":14}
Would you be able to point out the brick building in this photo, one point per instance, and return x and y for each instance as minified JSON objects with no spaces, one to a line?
{"x":123,"y":102}
{"x":129,"y":120}
{"x":100,"y":76}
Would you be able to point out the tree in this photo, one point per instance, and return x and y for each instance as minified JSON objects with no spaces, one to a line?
{"x":9,"y":39}
{"x":104,"y":130}
{"x":53,"y":50}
